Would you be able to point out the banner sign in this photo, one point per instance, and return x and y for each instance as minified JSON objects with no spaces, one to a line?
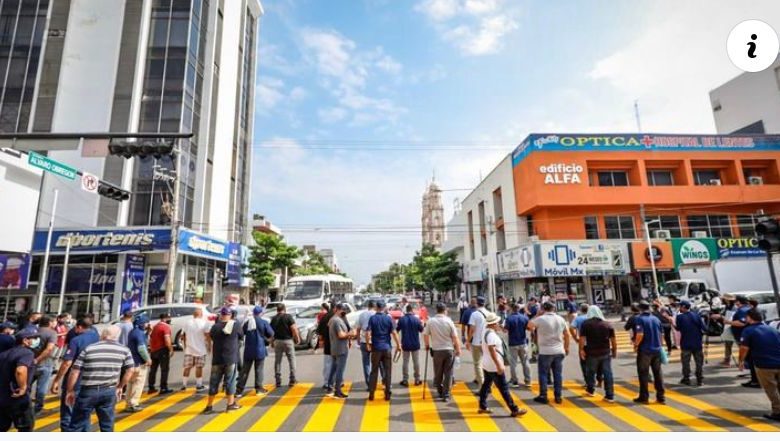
{"x":200,"y":245}
{"x":694,"y":251}
{"x":133,"y":283}
{"x":233,"y":270}
{"x":472,"y":272}
{"x":739,"y":247}
{"x":565,"y":259}
{"x":659,"y":254}
{"x":641,"y":142}
{"x":518,"y":263}
{"x":91,"y":241}
{"x":561,"y":260}
{"x":246,"y":281}
{"x":14,"y":271}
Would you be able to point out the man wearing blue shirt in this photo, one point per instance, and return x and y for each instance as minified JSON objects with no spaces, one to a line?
{"x":691,"y":327}
{"x":380,"y":330}
{"x":7,"y":340}
{"x":410,"y":328}
{"x":465,"y":317}
{"x":762,"y":343}
{"x":142,"y":359}
{"x":516,"y":326}
{"x":738,"y":323}
{"x":647,"y":345}
{"x":85,"y":336}
{"x":570,"y":305}
{"x":256,"y":332}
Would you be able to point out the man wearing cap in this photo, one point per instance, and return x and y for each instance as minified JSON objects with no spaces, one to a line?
{"x":256,"y":331}
{"x":340,"y":336}
{"x":465,"y":317}
{"x":285,"y":338}
{"x":362,"y":329}
{"x":552,"y":333}
{"x":224,"y":336}
{"x":762,"y":343}
{"x":44,"y":359}
{"x":84,"y":336}
{"x":323,"y":341}
{"x":516,"y":326}
{"x":410,"y":326}
{"x":126,"y":325}
{"x":493,"y":365}
{"x":691,"y":326}
{"x":378,"y":338}
{"x":441,"y":338}
{"x":474,"y":340}
{"x":161,"y":345}
{"x":7,"y":340}
{"x":17,"y":366}
{"x":647,"y":345}
{"x":142,"y":359}
{"x":194,"y":338}
{"x":738,"y":323}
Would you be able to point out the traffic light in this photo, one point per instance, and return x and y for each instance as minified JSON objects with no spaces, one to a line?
{"x":768,"y":231}
{"x":112,"y":192}
{"x":141,"y":149}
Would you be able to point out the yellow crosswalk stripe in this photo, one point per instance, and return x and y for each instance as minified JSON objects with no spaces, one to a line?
{"x":151,"y":410}
{"x":721,"y":413}
{"x":620,"y":412}
{"x":376,"y":415}
{"x":468,"y":406}
{"x":185,"y":415}
{"x":273,"y":419}
{"x":582,"y":419}
{"x":532,"y":421}
{"x":226,"y":419}
{"x":326,"y":415}
{"x":672,"y":414}
{"x":426,"y":417}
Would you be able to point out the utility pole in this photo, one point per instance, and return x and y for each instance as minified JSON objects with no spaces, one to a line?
{"x":65,"y":277}
{"x":636,"y":114}
{"x":42,"y":284}
{"x":170,"y":281}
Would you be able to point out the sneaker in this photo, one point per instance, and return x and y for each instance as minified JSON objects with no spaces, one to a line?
{"x":343,"y":396}
{"x":514,"y":383}
{"x":542,"y":400}
{"x":527,"y":384}
{"x":278,"y":383}
{"x":200,"y":388}
{"x":371,"y":397}
{"x":772,"y":416}
{"x":685,"y":381}
{"x":293,"y":382}
{"x":133,"y":409}
{"x":484,"y":411}
{"x":166,"y":391}
{"x":238,"y":396}
{"x":589,"y":393}
{"x":518,"y":412}
{"x":660,"y":400}
{"x":641,"y":401}
{"x":751,"y":385}
{"x":417,"y":382}
{"x":330,"y":393}
{"x":208,"y":410}
{"x":558,"y":400}
{"x":153,"y":390}
{"x":261,"y":391}
{"x":387,"y":397}
{"x":609,"y":399}
{"x":234,"y":406}
{"x":445,"y":399}
{"x":183,"y":388}
{"x":404,"y":383}
{"x":699,"y":382}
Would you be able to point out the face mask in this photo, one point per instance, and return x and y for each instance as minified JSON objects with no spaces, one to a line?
{"x":35,"y":343}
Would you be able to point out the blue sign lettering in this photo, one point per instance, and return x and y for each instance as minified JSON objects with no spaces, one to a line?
{"x":103,"y":240}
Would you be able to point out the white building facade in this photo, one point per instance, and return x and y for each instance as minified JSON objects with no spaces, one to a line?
{"x":749,"y":103}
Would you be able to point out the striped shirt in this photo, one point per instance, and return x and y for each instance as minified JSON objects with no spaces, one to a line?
{"x":101,"y":363}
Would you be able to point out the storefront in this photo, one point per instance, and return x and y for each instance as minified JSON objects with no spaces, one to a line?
{"x":475,"y":279}
{"x":662,"y":259}
{"x":516,"y":268}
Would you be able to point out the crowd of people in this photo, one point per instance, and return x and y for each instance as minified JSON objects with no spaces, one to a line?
{"x":91,"y":371}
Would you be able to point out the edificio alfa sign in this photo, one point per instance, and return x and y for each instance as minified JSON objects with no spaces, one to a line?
{"x":562,"y":173}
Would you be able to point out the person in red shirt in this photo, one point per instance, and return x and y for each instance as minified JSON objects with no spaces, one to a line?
{"x":161,"y":347}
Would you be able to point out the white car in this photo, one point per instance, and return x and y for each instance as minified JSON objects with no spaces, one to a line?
{"x":766,"y":302}
{"x":179,"y":312}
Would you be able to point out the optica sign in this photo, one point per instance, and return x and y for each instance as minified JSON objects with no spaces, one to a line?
{"x":739,"y":247}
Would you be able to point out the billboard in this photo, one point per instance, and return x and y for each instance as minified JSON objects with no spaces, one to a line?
{"x":518,"y":263}
{"x":14,"y":271}
{"x":661,"y":254}
{"x":133,"y":282}
{"x":101,"y":240}
{"x":563,"y":259}
{"x":694,"y":251}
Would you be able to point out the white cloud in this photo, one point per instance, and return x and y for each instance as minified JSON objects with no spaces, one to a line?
{"x":389,"y":65}
{"x":439,"y":10}
{"x":332,"y":115}
{"x":297,"y":93}
{"x":271,"y":95}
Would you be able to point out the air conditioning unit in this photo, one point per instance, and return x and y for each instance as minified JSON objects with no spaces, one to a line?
{"x":715,"y":182}
{"x":700,"y":234}
{"x":755,"y":180}
{"x":663,"y":234}
{"x":533,"y":238}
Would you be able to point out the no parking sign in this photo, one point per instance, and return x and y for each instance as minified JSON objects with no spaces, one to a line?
{"x":89,"y":182}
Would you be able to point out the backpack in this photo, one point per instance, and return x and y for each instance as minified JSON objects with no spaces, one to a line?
{"x":504,"y":350}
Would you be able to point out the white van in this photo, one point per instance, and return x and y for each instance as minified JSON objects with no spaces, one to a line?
{"x":315,"y":290}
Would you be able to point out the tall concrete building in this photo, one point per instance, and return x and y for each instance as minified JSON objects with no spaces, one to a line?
{"x":181,"y":66}
{"x":432,"y":216}
{"x":749,"y":103}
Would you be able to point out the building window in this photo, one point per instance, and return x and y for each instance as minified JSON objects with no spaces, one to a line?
{"x":529,"y":222}
{"x":660,"y":177}
{"x":669,"y":223}
{"x":705,"y":177}
{"x":613,"y":179}
{"x":591,"y":227}
{"x":715,"y":225}
{"x":620,"y":227}
{"x":746,"y":223}
{"x":470,"y":216}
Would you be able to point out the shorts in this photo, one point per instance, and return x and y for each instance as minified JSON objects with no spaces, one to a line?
{"x":194,"y":361}
{"x":220,"y":372}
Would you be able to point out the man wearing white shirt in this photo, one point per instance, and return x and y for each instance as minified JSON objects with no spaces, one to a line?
{"x":552,"y":334}
{"x":196,"y":345}
{"x":474,"y":340}
{"x":493,"y":366}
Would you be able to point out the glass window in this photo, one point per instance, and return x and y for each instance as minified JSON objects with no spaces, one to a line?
{"x":669,"y":223}
{"x":619,"y":227}
{"x":704,"y":177}
{"x":715,"y":225}
{"x":591,"y":227}
{"x":612,"y":179}
{"x":660,"y":177}
{"x":746,"y":225}
{"x":307,"y":290}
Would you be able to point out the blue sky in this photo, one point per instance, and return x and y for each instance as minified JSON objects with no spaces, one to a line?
{"x":391,"y":84}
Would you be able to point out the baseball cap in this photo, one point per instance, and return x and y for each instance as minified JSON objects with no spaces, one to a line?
{"x":7,"y":325}
{"x":225,"y":311}
{"x":380,"y":304}
{"x":481,"y":301}
{"x":258,"y":310}
{"x":26,"y":333}
{"x":685,"y":303}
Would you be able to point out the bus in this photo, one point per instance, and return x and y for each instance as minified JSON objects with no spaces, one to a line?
{"x":315,"y":290}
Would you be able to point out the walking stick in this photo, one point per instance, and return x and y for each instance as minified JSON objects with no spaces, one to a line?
{"x":425,"y":373}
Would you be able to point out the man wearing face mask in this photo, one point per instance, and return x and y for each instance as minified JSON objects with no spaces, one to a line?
{"x":161,"y":345}
{"x":16,"y":371}
{"x":31,"y":324}
{"x":340,"y":336}
{"x":44,"y":359}
{"x":84,"y":335}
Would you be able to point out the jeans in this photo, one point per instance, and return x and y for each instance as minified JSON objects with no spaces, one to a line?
{"x":519,"y":353}
{"x":698,"y":359}
{"x":584,"y":367}
{"x":644,"y":363}
{"x":42,"y":380}
{"x":338,"y":365}
{"x":544,"y":364}
{"x":66,"y":412}
{"x":501,"y":384}
{"x":102,"y":401}
{"x":602,"y":365}
{"x":135,"y":387}
{"x":415,"y":356}
{"x":365,"y":358}
{"x":442,"y":371}
{"x":160,"y":359}
{"x":327,"y":364}
{"x":286,"y":348}
{"x":243,"y":377}
{"x":18,"y":415}
{"x":220,"y":372}
{"x":385,"y":359}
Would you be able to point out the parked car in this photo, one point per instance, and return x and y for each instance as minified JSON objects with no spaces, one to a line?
{"x":419,"y":310}
{"x":766,"y":302}
{"x":180,"y":313}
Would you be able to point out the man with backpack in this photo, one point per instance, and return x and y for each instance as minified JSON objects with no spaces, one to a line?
{"x":493,"y":365}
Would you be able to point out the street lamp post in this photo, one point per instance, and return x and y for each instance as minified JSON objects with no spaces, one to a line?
{"x":652,"y":254}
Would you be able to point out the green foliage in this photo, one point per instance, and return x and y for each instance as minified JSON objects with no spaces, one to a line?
{"x":269,"y":254}
{"x":429,"y":270}
{"x":314,"y":265}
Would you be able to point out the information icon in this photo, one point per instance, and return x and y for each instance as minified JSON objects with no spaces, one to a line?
{"x":753,"y":45}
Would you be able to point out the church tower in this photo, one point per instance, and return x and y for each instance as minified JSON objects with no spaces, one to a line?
{"x":432,"y":216}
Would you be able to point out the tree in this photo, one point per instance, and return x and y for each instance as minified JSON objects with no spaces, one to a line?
{"x":446,"y":273}
{"x":313,"y":265}
{"x":269,"y":254}
{"x":424,"y":263}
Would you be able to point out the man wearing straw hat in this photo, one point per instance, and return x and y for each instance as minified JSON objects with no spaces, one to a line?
{"x":493,"y":367}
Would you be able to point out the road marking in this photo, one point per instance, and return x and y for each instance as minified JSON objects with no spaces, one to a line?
{"x":376,"y":415}
{"x":273,"y":419}
{"x":619,"y":411}
{"x":185,"y":415}
{"x":226,"y":419}
{"x":326,"y":415}
{"x":150,"y":410}
{"x":719,"y":412}
{"x":671,"y":413}
{"x":532,"y":421}
{"x":581,"y":418}
{"x":426,"y":417}
{"x":468,"y":406}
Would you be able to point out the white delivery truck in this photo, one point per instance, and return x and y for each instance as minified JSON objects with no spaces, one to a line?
{"x":724,"y":276}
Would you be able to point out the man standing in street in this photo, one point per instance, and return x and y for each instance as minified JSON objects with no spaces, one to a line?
{"x":84,"y":336}
{"x":647,"y":345}
{"x":7,"y":340}
{"x":285,"y":338}
{"x":379,"y":334}
{"x":493,"y":365}
{"x":553,"y":339}
{"x":323,"y":341}
{"x":44,"y":360}
{"x":98,"y":368}
{"x":575,"y":325}
{"x":161,"y":345}
{"x":474,"y":341}
{"x":362,"y":328}
{"x":17,"y":366}
{"x":410,"y":328}
{"x":516,"y":325}
{"x":194,"y":338}
{"x":224,"y":337}
{"x":738,"y":323}
{"x":256,"y":331}
{"x":762,"y":343}
{"x":126,"y":325}
{"x":465,"y":317}
{"x":597,"y":347}
{"x":691,"y":327}
{"x":571,"y":307}
{"x":441,"y":338}
{"x":142,"y":359}
{"x":340,"y":336}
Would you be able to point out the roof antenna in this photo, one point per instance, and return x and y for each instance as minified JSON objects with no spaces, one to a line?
{"x":636,"y":114}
